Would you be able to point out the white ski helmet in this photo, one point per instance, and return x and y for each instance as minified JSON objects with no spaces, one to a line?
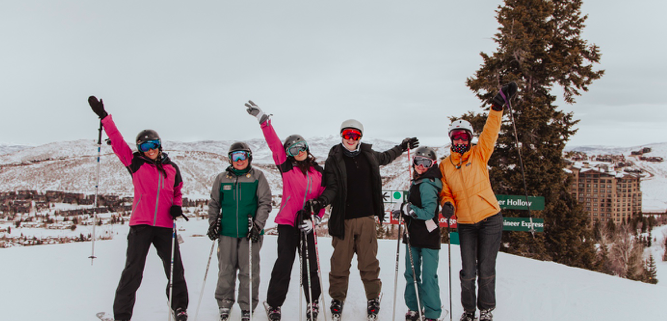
{"x":461,"y":124}
{"x":352,"y":123}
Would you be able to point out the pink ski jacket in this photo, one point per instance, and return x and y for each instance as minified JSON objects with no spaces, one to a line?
{"x":297,"y":187}
{"x":157,"y":184}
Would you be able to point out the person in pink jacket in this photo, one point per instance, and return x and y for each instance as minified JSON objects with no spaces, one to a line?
{"x":302,"y":181}
{"x":157,"y":203}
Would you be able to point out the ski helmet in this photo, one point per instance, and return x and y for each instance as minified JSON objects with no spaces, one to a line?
{"x":239,"y":146}
{"x":146,"y":135}
{"x":292,"y":139}
{"x":352,"y":123}
{"x":461,"y":124}
{"x":426,"y":151}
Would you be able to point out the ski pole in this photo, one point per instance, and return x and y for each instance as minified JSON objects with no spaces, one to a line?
{"x":449,"y":255}
{"x":97,"y":187}
{"x":319,"y":274}
{"x":414,"y":275}
{"x":398,"y":244}
{"x":300,"y":272}
{"x":171,"y":269}
{"x":250,"y":225}
{"x":310,"y":283}
{"x":518,"y":149}
{"x":201,"y":294}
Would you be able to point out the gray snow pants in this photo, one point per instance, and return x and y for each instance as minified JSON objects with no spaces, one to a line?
{"x":233,"y":256}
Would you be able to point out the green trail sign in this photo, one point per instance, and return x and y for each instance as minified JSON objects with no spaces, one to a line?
{"x":522,"y":224}
{"x":518,"y":202}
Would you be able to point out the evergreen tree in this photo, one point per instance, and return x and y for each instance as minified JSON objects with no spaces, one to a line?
{"x":651,"y":271}
{"x":539,"y":47}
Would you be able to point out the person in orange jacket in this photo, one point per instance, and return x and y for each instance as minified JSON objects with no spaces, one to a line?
{"x":467,"y":192}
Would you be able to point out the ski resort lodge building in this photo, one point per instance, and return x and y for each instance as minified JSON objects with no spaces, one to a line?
{"x":606,"y":194}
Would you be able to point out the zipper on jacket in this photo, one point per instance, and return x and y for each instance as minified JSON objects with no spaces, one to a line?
{"x":236,"y":198}
{"x":160,"y":182}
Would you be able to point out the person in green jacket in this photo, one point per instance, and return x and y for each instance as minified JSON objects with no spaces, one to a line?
{"x":237,"y":212}
{"x":420,"y":214}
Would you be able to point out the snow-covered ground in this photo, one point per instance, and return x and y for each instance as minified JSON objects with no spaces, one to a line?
{"x":58,"y":282}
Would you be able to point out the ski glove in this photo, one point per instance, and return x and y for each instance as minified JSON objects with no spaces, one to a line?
{"x":97,"y":106}
{"x":177,"y":211}
{"x":254,"y":110}
{"x":253,"y":230}
{"x":306,"y":225}
{"x":404,"y":210}
{"x":214,"y":229}
{"x":509,"y":90}
{"x":313,"y":206}
{"x":447,"y":210}
{"x":410,"y":142}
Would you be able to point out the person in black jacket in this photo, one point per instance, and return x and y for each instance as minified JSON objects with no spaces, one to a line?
{"x":354,"y":190}
{"x":420,"y":213}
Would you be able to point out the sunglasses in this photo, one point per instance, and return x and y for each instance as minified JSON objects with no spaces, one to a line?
{"x":351,"y":134}
{"x":238,"y":156}
{"x":296,"y":148}
{"x":423,"y":161}
{"x":148,"y":145}
{"x":462,"y":135}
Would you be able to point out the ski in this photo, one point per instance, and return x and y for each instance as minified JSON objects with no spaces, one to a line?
{"x":104,"y":316}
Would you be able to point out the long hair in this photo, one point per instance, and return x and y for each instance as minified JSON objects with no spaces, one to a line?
{"x":306,"y":164}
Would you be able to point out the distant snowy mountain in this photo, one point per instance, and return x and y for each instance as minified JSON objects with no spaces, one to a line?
{"x":10,"y":148}
{"x":71,"y":166}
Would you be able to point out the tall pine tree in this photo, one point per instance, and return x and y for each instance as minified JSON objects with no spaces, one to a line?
{"x":540,"y":47}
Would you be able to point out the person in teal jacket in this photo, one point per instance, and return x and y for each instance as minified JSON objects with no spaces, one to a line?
{"x":420,"y":213}
{"x":237,"y":212}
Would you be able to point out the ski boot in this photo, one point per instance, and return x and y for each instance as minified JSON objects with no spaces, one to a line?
{"x":412,"y":316}
{"x":336,"y":309}
{"x":224,"y":314}
{"x":272,"y":313}
{"x":312,"y":311}
{"x":245,"y":315}
{"x":180,"y":315}
{"x":468,"y":316}
{"x":373,"y":307}
{"x":485,"y":315}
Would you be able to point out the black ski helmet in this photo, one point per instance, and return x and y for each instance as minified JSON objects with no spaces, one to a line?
{"x":427,"y":152}
{"x":146,"y":135}
{"x":292,"y":139}
{"x":239,"y":146}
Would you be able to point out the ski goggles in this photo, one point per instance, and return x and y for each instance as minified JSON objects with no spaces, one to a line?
{"x":423,"y":161}
{"x":240,"y":155}
{"x":460,"y":135}
{"x":148,"y":145}
{"x":297,"y":148}
{"x":352,"y":134}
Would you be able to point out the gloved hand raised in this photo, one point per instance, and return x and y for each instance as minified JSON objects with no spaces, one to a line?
{"x":447,"y":210}
{"x":97,"y":106}
{"x":253,"y":230}
{"x":254,"y":110}
{"x":175,"y":211}
{"x":214,"y":229}
{"x":410,"y":142}
{"x":509,"y":90}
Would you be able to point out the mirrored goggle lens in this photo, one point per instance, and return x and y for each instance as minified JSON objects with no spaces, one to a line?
{"x":296,"y":148}
{"x":148,"y":145}
{"x":238,"y":156}
{"x":351,"y":134}
{"x":462,"y":135}
{"x":423,"y":161}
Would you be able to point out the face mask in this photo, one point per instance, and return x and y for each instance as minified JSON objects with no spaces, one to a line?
{"x":461,"y":149}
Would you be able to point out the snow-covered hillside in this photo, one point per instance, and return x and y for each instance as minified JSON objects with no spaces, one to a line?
{"x":58,"y":282}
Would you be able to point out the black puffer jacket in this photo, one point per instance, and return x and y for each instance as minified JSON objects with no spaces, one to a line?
{"x":335,"y":174}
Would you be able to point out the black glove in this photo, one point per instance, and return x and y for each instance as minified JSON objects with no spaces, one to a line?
{"x":253,"y":230}
{"x":509,"y":90}
{"x":177,"y":211}
{"x":313,"y":206}
{"x":254,"y":110}
{"x":97,"y":106}
{"x":410,"y":142}
{"x":214,"y":229}
{"x":447,"y":210}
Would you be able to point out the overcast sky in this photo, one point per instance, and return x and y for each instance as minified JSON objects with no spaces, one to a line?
{"x":185,"y":68}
